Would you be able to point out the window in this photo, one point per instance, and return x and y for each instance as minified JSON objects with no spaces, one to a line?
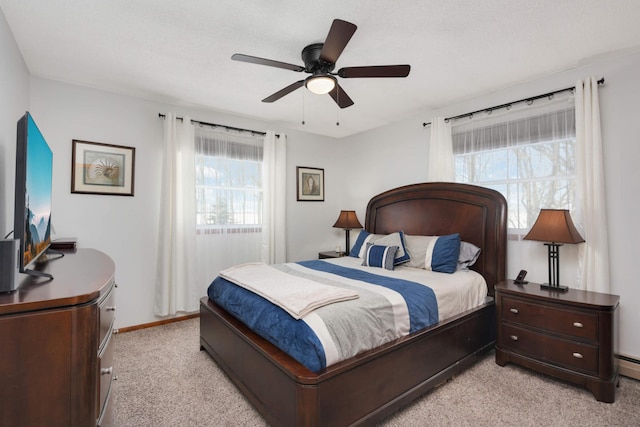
{"x":529,"y":157}
{"x":228,"y":181}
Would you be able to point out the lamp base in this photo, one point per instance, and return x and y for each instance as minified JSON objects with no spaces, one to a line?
{"x":556,"y":288}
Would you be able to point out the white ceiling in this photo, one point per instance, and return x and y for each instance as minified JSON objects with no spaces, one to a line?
{"x":180,"y":51}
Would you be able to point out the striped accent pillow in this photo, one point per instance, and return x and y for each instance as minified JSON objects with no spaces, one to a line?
{"x":393,"y":239}
{"x":380,"y":256}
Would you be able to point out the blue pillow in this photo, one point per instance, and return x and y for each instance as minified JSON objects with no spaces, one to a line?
{"x":444,"y":257}
{"x":380,"y":256}
{"x":355,"y":251}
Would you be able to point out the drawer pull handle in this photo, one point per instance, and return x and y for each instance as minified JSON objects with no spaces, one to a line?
{"x":110,"y":308}
{"x":514,"y":310}
{"x":577,"y":355}
{"x":109,"y":370}
{"x":116,"y":331}
{"x":513,"y":337}
{"x":578,"y":325}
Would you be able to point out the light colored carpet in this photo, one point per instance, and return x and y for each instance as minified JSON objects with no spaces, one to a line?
{"x":165,"y":380}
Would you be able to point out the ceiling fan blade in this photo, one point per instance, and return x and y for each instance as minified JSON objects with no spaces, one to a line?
{"x":340,"y":96}
{"x":338,"y":37}
{"x":268,"y":62}
{"x":375,"y":71}
{"x":282,"y":92}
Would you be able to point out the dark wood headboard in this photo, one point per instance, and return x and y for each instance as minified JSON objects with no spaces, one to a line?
{"x":438,"y":208}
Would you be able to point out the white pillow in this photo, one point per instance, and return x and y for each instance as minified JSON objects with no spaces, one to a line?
{"x":417,"y":247}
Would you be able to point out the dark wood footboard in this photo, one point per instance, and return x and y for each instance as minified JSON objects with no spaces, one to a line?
{"x":360,"y":390}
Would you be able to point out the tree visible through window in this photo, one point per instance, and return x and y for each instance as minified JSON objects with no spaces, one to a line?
{"x":228,"y":183}
{"x":531,"y":161}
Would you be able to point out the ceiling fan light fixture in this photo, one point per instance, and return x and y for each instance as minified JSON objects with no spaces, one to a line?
{"x":320,"y":84}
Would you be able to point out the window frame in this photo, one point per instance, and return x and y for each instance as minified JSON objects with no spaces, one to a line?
{"x":236,"y":151}
{"x":517,"y":149}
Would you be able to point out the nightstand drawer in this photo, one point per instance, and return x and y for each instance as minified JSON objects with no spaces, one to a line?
{"x":574,"y":323}
{"x":569,"y":322}
{"x":581,"y":357}
{"x":578,"y":356}
{"x":525,"y":313}
{"x":521,"y":341}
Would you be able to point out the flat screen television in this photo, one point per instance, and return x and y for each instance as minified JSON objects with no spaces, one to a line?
{"x":34,"y":184}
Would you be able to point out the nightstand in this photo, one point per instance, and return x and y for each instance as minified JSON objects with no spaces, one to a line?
{"x":567,"y":335}
{"x":331,"y":254}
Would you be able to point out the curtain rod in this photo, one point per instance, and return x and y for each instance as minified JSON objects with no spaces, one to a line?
{"x":222,"y":126}
{"x":509,"y":104}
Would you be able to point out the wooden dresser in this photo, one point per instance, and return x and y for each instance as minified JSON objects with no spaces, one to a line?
{"x":55,"y":344}
{"x":568,"y":335}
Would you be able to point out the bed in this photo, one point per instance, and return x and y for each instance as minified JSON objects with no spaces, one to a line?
{"x":370,"y":386}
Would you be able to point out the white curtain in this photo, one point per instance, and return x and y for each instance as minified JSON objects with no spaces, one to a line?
{"x":176,"y":287}
{"x":274,"y":236}
{"x":440,"y":166}
{"x":591,"y":215}
{"x":217,"y":186}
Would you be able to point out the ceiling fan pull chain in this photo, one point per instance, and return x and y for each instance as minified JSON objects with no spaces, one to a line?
{"x":337,"y":107}
{"x":303,"y":107}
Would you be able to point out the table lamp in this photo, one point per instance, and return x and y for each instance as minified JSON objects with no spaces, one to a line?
{"x":555,"y":227}
{"x":347,"y":221}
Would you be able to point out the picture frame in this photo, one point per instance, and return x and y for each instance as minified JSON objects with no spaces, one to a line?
{"x":98,"y":168}
{"x":309,"y":184}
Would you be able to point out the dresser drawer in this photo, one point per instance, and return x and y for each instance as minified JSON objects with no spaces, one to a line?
{"x":568,"y":322}
{"x":106,"y":418}
{"x":105,"y":374}
{"x":107,"y":308}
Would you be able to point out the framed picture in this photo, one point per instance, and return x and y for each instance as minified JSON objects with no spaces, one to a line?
{"x":310,"y":184}
{"x":98,"y":168}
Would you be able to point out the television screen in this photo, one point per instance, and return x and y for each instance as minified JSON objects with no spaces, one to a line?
{"x":32,"y":215}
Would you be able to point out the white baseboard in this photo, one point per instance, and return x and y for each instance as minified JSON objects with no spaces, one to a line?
{"x":629,"y":366}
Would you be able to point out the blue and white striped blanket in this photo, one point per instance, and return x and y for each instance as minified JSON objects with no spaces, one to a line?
{"x":387,"y":308}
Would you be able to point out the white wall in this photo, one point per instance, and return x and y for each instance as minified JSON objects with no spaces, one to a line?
{"x":398,"y":155}
{"x":14,"y":101}
{"x":309,"y":224}
{"x":126,"y":228}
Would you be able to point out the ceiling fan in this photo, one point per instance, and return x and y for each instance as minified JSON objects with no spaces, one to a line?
{"x":320,"y":60}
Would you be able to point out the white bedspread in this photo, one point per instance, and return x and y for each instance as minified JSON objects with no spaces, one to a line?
{"x":456,"y":293}
{"x":297,"y":296}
